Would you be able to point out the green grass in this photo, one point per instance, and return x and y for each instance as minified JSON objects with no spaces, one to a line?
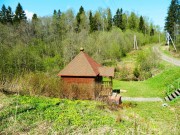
{"x":156,"y":118}
{"x":171,"y":53}
{"x":153,"y":87}
{"x":41,"y":115}
{"x":27,"y":114}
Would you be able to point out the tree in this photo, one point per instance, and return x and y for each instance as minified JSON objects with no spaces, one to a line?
{"x":109,"y":19}
{"x":3,"y":16}
{"x":173,"y":17}
{"x":141,"y":25}
{"x":152,"y":32}
{"x":9,"y":14}
{"x":124,"y":22}
{"x":94,"y":22}
{"x":91,"y":22}
{"x":118,"y":18}
{"x":34,"y":23}
{"x":19,"y":14}
{"x":34,"y":17}
{"x":78,"y":17}
{"x":133,"y":21}
{"x":54,"y":13}
{"x":59,"y":13}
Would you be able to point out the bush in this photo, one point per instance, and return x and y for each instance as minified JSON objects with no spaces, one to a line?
{"x":146,"y":62}
{"x":41,"y":84}
{"x":136,"y":72}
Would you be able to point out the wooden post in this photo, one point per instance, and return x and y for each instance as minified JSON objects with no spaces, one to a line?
{"x":173,"y":43}
{"x":135,"y":43}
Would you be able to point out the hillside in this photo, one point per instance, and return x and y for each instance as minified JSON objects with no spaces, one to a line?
{"x":40,"y":115}
{"x":153,"y":87}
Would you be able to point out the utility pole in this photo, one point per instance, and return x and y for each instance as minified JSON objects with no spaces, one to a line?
{"x":135,"y":43}
{"x":168,"y":38}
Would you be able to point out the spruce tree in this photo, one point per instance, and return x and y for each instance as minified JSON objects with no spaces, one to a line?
{"x":141,"y":25}
{"x":109,"y":19}
{"x":96,"y":24}
{"x":59,"y":13}
{"x":117,"y":18}
{"x":173,"y":17}
{"x":91,"y":22}
{"x":152,"y":32}
{"x":122,"y":27}
{"x":78,"y":17}
{"x":3,"y":15}
{"x":34,"y":17}
{"x":9,"y":15}
{"x":19,"y":14}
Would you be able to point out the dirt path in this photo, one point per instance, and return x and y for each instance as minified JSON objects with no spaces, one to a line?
{"x":141,"y":99}
{"x":165,"y":57}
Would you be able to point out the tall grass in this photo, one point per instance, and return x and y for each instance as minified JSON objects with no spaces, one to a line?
{"x":38,"y":84}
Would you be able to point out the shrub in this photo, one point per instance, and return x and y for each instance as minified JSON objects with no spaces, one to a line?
{"x":136,"y":72}
{"x":41,"y":84}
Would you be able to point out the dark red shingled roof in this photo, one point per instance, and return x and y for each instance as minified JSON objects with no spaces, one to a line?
{"x":83,"y":65}
{"x":106,"y":71}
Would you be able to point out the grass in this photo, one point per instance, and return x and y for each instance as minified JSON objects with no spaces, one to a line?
{"x":163,"y":120}
{"x":41,"y":115}
{"x":22,"y":114}
{"x":153,"y":87}
{"x":170,"y":53}
{"x":156,"y":86}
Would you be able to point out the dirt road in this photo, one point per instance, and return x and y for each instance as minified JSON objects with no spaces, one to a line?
{"x":165,"y":57}
{"x":141,"y":99}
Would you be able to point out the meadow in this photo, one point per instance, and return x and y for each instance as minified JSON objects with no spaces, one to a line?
{"x":42,"y":115}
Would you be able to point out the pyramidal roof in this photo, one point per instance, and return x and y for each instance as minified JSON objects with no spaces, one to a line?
{"x":81,"y":65}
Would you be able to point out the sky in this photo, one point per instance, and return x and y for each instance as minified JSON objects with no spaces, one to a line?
{"x":154,"y":10}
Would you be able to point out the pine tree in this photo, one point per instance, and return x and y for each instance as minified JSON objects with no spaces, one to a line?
{"x":173,"y":17}
{"x":34,"y":17}
{"x":109,"y":19}
{"x":122,"y":27}
{"x":54,"y":13}
{"x":96,"y":23}
{"x":19,"y":14}
{"x":141,"y":25}
{"x":91,"y":22}
{"x":9,"y":15}
{"x":117,"y":18}
{"x":3,"y":15}
{"x":78,"y":17}
{"x":59,"y":14}
{"x":34,"y":24}
{"x":152,"y":32}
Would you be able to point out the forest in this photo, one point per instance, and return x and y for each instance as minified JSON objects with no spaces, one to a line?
{"x":48,"y":43}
